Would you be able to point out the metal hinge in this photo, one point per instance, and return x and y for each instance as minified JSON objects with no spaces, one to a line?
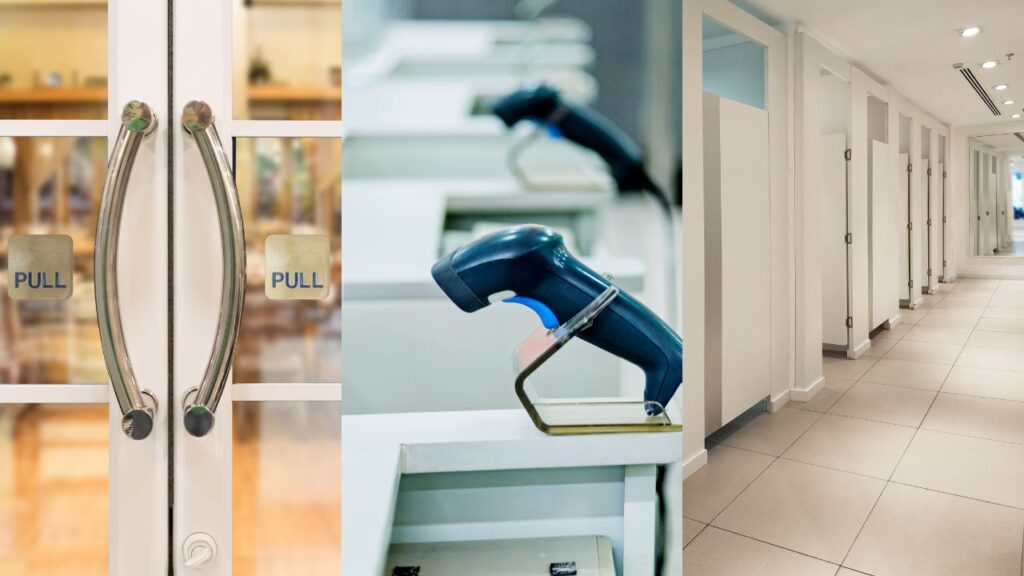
{"x":929,"y":272}
{"x":910,"y":167}
{"x":849,"y":237}
{"x":848,"y":154}
{"x":849,"y":321}
{"x":943,"y":173}
{"x":910,"y":284}
{"x":929,"y":221}
{"x":943,"y":219}
{"x":910,"y":225}
{"x":929,"y":171}
{"x":943,"y":263}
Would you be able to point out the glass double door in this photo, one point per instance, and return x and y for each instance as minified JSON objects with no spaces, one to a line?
{"x":166,"y":406}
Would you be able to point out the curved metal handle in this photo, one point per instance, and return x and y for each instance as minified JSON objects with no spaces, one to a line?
{"x":201,"y":404}
{"x":138,"y":407}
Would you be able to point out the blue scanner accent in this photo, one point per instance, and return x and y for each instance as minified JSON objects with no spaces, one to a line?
{"x":547,"y":317}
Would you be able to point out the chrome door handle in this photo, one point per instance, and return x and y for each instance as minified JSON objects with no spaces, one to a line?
{"x":201,"y":403}
{"x":138,"y":407}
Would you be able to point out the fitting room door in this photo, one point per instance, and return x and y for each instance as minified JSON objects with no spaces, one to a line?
{"x":256,"y":332}
{"x":83,"y":486}
{"x":120,"y":231}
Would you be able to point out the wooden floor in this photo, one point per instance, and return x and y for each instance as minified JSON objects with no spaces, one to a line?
{"x":54,"y":501}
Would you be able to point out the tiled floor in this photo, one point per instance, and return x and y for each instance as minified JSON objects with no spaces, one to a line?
{"x":909,"y":462}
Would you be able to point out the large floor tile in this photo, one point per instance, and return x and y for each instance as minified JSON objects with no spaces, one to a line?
{"x":1006,"y":313}
{"x":805,"y":508}
{"x":690,"y":530}
{"x":719,"y":553}
{"x":916,"y":532}
{"x":986,"y":383}
{"x":833,"y":390}
{"x":772,"y":433}
{"x":945,"y":321}
{"x":1002,"y":325}
{"x":892,"y":404}
{"x":967,"y":300}
{"x":965,"y":313}
{"x":728,"y":472}
{"x":838,"y":367}
{"x":913,"y":316}
{"x":1003,"y":340}
{"x":1007,"y":300}
{"x":923,"y":375}
{"x":938,"y":334}
{"x":924,"y":352}
{"x":979,"y":417}
{"x":973,"y":467}
{"x":879,"y":346}
{"x":994,"y":358}
{"x":898,"y":331}
{"x":851,"y":444}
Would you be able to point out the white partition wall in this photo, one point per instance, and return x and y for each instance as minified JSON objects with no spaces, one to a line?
{"x":737,"y":259}
{"x":924,"y":234}
{"x":904,"y":174}
{"x":834,"y":193}
{"x":885,"y":227}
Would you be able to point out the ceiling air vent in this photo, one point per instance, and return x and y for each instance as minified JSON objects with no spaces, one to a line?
{"x":1019,"y":135}
{"x":973,"y":81}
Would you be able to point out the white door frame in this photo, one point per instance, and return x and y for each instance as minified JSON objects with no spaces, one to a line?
{"x":137,"y":57}
{"x":780,"y":284}
{"x":204,"y":33}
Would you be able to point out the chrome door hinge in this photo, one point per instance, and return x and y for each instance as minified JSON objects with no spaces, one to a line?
{"x":848,"y":154}
{"x":910,"y":225}
{"x":943,"y":219}
{"x":849,"y":321}
{"x":929,"y":272}
{"x":929,"y":171}
{"x":929,"y":222}
{"x":910,"y":284}
{"x":943,"y":173}
{"x":849,"y":237}
{"x":910,"y":167}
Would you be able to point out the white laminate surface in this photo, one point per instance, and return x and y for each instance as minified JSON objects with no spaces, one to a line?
{"x":378,"y":449}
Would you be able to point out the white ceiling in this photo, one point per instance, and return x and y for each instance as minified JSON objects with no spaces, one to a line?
{"x":913,"y":44}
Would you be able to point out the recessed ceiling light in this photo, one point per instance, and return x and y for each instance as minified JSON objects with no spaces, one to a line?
{"x":990,"y":64}
{"x":1000,"y":86}
{"x":970,"y":31}
{"x":1015,"y":116}
{"x":1007,"y":102}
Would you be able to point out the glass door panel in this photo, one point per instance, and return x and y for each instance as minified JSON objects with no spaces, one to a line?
{"x":287,"y":58}
{"x":51,"y":186}
{"x":54,"y":483}
{"x":287,"y":497}
{"x":289,"y":186}
{"x":53,"y":60}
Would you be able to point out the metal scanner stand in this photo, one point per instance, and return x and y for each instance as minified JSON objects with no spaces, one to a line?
{"x":559,"y":417}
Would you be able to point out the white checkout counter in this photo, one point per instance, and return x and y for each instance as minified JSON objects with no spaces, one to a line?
{"x":481,"y":49}
{"x":436,"y":135}
{"x":449,"y":478}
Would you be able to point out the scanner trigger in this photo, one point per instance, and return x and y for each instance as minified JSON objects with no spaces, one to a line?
{"x":547,"y":317}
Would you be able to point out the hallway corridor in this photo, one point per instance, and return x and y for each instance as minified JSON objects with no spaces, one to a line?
{"x":910,"y":461}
